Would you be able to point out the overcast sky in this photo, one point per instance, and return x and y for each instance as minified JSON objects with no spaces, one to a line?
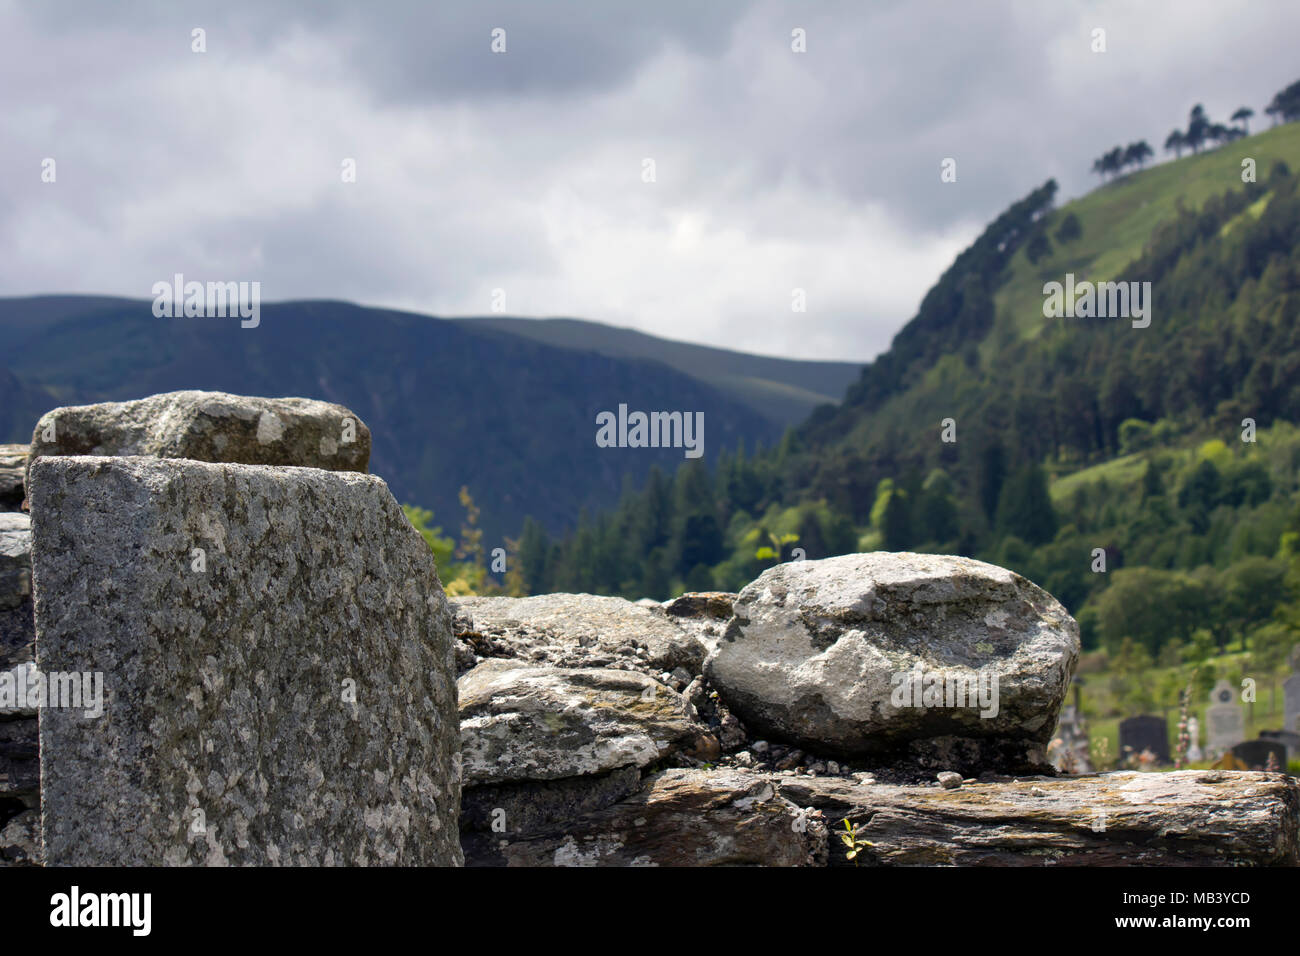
{"x":523,"y":170}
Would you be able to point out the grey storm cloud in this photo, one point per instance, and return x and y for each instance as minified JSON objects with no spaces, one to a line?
{"x":522,"y":172}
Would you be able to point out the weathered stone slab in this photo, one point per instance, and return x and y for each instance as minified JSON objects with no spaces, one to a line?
{"x":13,"y":466}
{"x":20,"y":839}
{"x":701,"y":604}
{"x":579,"y":630}
{"x":844,"y":656}
{"x":17,"y":630}
{"x":1183,"y":818}
{"x":545,"y":723}
{"x":15,"y":559}
{"x":284,"y":696}
{"x":532,"y":805}
{"x":210,"y":426}
{"x":680,"y":818}
{"x":20,"y":769}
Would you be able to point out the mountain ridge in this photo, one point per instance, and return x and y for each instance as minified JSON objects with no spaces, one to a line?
{"x":785,"y":389}
{"x":449,"y":405}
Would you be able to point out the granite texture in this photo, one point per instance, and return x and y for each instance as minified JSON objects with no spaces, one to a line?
{"x":816,"y":652}
{"x":286,"y":696}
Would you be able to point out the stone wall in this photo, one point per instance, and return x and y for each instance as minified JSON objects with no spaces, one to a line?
{"x":19,"y":764}
{"x":284,"y":682}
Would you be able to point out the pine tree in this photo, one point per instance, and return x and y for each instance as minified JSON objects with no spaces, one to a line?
{"x":990,"y":474}
{"x":534,"y":553}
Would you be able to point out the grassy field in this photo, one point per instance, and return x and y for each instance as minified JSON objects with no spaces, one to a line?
{"x":1118,"y":472}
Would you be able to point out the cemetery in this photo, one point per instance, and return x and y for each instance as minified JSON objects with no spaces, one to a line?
{"x":1232,"y":727}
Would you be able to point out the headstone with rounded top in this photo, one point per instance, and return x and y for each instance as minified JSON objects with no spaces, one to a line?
{"x":1145,"y":733}
{"x":1287,"y":738}
{"x":1255,"y":754}
{"x":1225,"y":725}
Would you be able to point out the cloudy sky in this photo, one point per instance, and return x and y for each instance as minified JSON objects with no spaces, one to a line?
{"x":524,"y":170}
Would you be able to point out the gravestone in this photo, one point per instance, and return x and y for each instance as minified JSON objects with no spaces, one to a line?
{"x":1285,"y":737}
{"x":1223,"y":716}
{"x":1147,"y":732}
{"x":1194,"y":751}
{"x":1291,"y":695}
{"x":1254,"y":753}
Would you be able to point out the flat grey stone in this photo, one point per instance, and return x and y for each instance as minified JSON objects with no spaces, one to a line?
{"x":521,"y":722}
{"x":17,"y":629}
{"x":679,"y":818}
{"x":13,"y":465}
{"x":20,"y":769}
{"x":20,"y":838}
{"x":579,"y":630}
{"x":209,"y":426}
{"x":1184,"y":818}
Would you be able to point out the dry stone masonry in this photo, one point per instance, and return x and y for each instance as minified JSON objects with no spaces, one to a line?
{"x":19,"y":765}
{"x":284,"y":682}
{"x":17,"y":631}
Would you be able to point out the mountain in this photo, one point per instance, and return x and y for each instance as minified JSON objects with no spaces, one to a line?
{"x":1147,"y":474}
{"x":448,"y":403}
{"x":785,"y":390}
{"x":1138,"y":227}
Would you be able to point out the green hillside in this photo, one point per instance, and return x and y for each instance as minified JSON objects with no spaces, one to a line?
{"x":1119,"y":218}
{"x":785,"y":390}
{"x":1118,"y":221}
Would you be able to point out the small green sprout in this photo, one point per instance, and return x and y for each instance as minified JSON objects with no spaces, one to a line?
{"x":851,"y":840}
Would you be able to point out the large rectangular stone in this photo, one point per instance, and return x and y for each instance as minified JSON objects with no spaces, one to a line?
{"x":277,"y":666}
{"x":1183,"y":818}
